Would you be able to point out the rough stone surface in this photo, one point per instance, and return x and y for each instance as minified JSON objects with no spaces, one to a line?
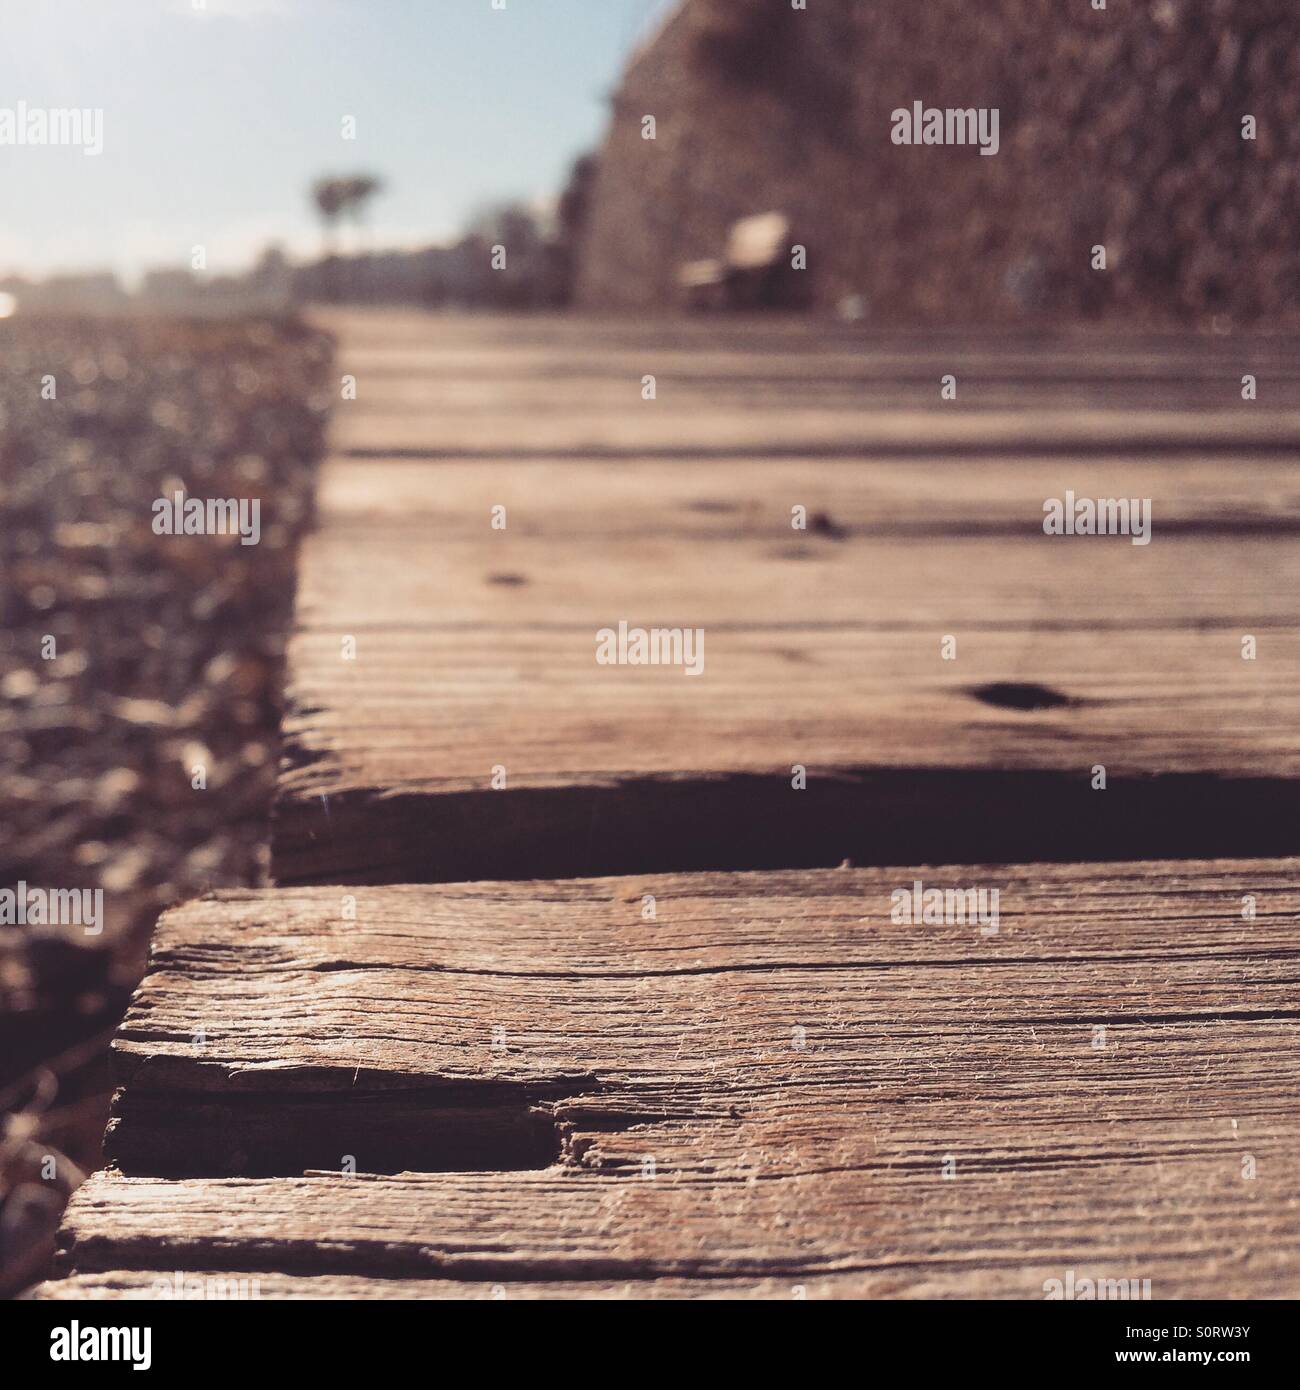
{"x":1119,"y":127}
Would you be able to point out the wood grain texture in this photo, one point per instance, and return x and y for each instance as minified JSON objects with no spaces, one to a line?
{"x":258,"y":1284}
{"x":715,"y":1084}
{"x":499,"y":428}
{"x":438,"y":385}
{"x":1189,"y":1226}
{"x":580,"y":499}
{"x":831,"y":661}
{"x":476,"y":647}
{"x":779,"y":1155}
{"x":392,"y":578}
{"x":473,"y":953}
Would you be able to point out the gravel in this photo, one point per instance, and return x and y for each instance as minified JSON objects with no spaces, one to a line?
{"x":129,"y":661}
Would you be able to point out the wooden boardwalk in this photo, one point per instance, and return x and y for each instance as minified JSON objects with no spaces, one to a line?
{"x":594,"y":974}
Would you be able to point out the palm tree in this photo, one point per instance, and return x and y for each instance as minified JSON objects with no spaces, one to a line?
{"x":357,"y":192}
{"x":335,"y":198}
{"x":330,"y":197}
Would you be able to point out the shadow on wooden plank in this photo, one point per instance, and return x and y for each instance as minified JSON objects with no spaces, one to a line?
{"x":745,"y":821}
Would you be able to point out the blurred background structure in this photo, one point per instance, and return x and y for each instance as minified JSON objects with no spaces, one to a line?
{"x":1121,"y":127}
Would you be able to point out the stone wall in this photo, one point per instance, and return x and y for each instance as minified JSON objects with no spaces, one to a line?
{"x":1119,"y":127}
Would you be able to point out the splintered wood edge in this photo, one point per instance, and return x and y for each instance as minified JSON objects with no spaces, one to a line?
{"x":1193,"y":1228}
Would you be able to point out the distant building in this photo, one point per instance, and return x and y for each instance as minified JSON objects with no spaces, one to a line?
{"x":98,"y":292}
{"x":169,"y":287}
{"x":459,"y":276}
{"x":434,"y":276}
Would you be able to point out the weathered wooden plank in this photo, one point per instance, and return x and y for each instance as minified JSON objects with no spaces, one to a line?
{"x":439,"y":385}
{"x":728,"y":499}
{"x":503,"y":427}
{"x":515,"y":347}
{"x":480,"y":655}
{"x":258,"y":1284}
{"x":388,"y":578}
{"x":475,"y":647}
{"x":847,"y":389}
{"x":1190,"y":1225}
{"x":513,"y":990}
{"x":475,"y":651}
{"x":766,"y":1081}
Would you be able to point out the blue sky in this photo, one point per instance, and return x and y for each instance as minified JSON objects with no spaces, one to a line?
{"x":217,"y":119}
